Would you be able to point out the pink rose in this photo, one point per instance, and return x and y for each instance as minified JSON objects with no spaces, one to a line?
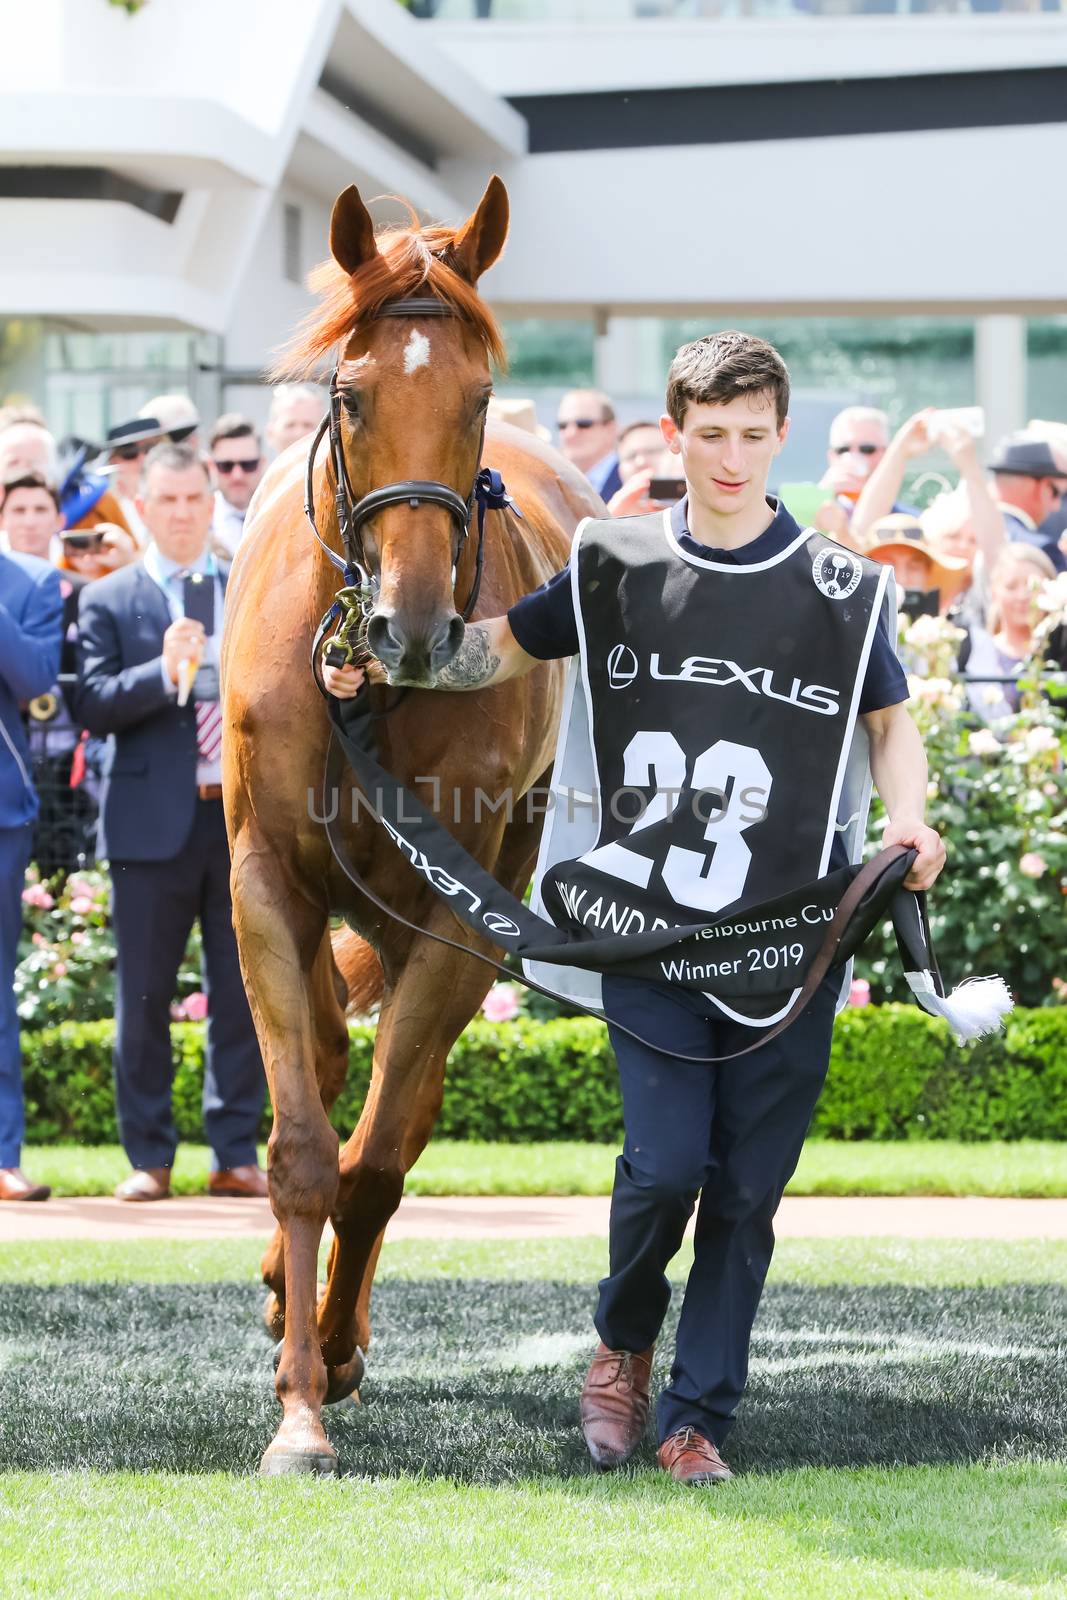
{"x":195,"y":1007}
{"x":38,"y":939}
{"x":81,"y":905}
{"x":78,"y":937}
{"x":860,"y":992}
{"x":501,"y":1003}
{"x":37,"y":895}
{"x":59,"y":970}
{"x":1031,"y":865}
{"x":80,"y":887}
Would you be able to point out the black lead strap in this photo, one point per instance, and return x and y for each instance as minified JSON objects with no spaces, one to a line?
{"x":492,"y":912}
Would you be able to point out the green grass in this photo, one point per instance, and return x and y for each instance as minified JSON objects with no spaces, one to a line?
{"x":1027,"y":1168}
{"x":928,"y":1533}
{"x":926,"y":1263}
{"x":903,"y":1437}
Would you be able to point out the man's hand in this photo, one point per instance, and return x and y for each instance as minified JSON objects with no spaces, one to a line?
{"x":918,"y":836}
{"x":344,"y":682}
{"x":959,"y":445}
{"x":913,"y":438}
{"x":183,"y":640}
{"x":632,"y":499}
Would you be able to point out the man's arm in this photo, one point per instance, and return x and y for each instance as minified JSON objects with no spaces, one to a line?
{"x":882,"y":487}
{"x":898,"y":765}
{"x":490,"y":653}
{"x":110,"y":697}
{"x":30,"y":647}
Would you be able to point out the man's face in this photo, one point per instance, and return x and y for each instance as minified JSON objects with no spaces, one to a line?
{"x":126,"y":462}
{"x":856,"y":447}
{"x":177,"y":509}
{"x":727,"y":449}
{"x":586,"y":436}
{"x":24,"y":447}
{"x":239,"y":466}
{"x":297,"y":419}
{"x":639,"y":451}
{"x":31,"y":521}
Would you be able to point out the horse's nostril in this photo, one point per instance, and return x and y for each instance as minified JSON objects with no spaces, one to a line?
{"x":445,"y":642}
{"x":382,"y":641}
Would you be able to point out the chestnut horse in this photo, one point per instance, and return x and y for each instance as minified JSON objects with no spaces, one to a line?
{"x":414,"y":391}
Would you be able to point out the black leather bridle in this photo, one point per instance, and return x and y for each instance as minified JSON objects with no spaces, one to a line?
{"x":357,"y":598}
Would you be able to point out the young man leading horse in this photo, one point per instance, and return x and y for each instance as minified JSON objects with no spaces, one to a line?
{"x":721,"y":648}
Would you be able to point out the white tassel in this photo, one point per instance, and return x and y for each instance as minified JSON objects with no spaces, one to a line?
{"x":975,"y":1007}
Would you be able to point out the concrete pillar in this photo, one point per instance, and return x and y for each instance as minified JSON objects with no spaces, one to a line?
{"x":1000,"y":373}
{"x":627,"y":360}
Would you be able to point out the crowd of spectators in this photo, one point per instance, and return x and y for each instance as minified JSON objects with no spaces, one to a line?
{"x":115,"y":556}
{"x":113,"y":571}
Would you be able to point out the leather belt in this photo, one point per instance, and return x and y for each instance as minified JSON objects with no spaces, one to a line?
{"x":209,"y":791}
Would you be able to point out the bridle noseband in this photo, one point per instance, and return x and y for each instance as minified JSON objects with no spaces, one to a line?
{"x":357,"y":598}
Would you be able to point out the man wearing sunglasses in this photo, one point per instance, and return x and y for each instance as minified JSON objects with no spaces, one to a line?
{"x":588,"y":434}
{"x":859,"y":438}
{"x":238,"y":459}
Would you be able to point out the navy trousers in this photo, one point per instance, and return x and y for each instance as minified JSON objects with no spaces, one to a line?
{"x":155,"y":904}
{"x":14,"y":856}
{"x":730,"y":1134}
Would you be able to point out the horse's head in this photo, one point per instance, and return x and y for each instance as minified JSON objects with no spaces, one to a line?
{"x":413,"y":391}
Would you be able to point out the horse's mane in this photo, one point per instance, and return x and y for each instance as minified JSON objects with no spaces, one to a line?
{"x":408,"y":261}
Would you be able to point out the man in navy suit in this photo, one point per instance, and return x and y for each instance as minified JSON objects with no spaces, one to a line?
{"x":31,"y":633}
{"x":163,"y":831}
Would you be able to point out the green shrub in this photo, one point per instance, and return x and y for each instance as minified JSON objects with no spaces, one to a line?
{"x":895,"y":1073}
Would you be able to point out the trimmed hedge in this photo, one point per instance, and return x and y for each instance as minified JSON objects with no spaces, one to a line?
{"x":895,"y":1073}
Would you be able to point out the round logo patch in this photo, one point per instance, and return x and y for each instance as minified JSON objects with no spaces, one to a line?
{"x":622,"y":666}
{"x":836,"y":573}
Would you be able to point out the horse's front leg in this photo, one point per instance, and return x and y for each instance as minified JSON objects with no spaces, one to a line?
{"x":424,"y":1011}
{"x":279,"y":934}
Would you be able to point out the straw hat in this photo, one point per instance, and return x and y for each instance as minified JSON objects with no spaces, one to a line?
{"x":901,"y":531}
{"x":520,"y":413}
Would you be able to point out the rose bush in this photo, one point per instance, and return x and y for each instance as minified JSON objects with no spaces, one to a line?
{"x":66,"y":966}
{"x":998,"y":796}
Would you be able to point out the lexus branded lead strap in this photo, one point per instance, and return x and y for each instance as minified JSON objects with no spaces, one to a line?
{"x":708,"y":763}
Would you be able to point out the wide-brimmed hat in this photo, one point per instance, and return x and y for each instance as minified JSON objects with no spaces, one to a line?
{"x":137,"y":431}
{"x":520,"y":413}
{"x":901,"y":531}
{"x":174,"y":414}
{"x":1027,"y":456}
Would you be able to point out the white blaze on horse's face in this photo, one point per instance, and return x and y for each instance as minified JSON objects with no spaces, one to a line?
{"x":416,"y":352}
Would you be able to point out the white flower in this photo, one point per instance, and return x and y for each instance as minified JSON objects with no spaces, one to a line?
{"x":1040,"y":740}
{"x":1031,"y":865}
{"x":1052,"y":596}
{"x":983,"y":742}
{"x":992,"y":697}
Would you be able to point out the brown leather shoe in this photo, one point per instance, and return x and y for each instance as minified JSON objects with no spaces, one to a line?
{"x":248,"y":1183}
{"x":14,"y":1185}
{"x":690,"y":1458}
{"x":614,"y":1404}
{"x":144,"y":1184}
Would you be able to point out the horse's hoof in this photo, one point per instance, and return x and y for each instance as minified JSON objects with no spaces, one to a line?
{"x":283,"y":1461}
{"x":345,"y":1379}
{"x":274,"y":1316}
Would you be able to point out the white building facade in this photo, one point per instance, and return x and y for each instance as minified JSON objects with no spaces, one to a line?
{"x":167,"y":175}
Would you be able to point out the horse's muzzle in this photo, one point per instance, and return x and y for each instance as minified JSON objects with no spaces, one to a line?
{"x":413,"y":659}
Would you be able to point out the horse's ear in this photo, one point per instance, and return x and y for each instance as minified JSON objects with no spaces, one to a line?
{"x":481,"y":238}
{"x":351,"y":231}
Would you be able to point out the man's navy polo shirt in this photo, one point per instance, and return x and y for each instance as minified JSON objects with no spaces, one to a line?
{"x":544,"y":623}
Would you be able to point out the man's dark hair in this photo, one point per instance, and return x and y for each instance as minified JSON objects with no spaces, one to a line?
{"x":233,"y":426}
{"x":632,"y":427}
{"x":176,"y":458}
{"x":721,"y":366}
{"x":28,"y":480}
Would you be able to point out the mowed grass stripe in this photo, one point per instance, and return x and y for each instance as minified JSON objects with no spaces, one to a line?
{"x":476,"y":1380}
{"x":923,"y":1533}
{"x":932,"y":1262}
{"x":1028,"y":1168}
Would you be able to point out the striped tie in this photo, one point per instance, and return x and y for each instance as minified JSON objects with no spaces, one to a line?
{"x":208,"y":729}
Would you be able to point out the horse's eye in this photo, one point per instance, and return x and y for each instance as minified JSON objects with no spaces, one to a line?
{"x":351,"y":404}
